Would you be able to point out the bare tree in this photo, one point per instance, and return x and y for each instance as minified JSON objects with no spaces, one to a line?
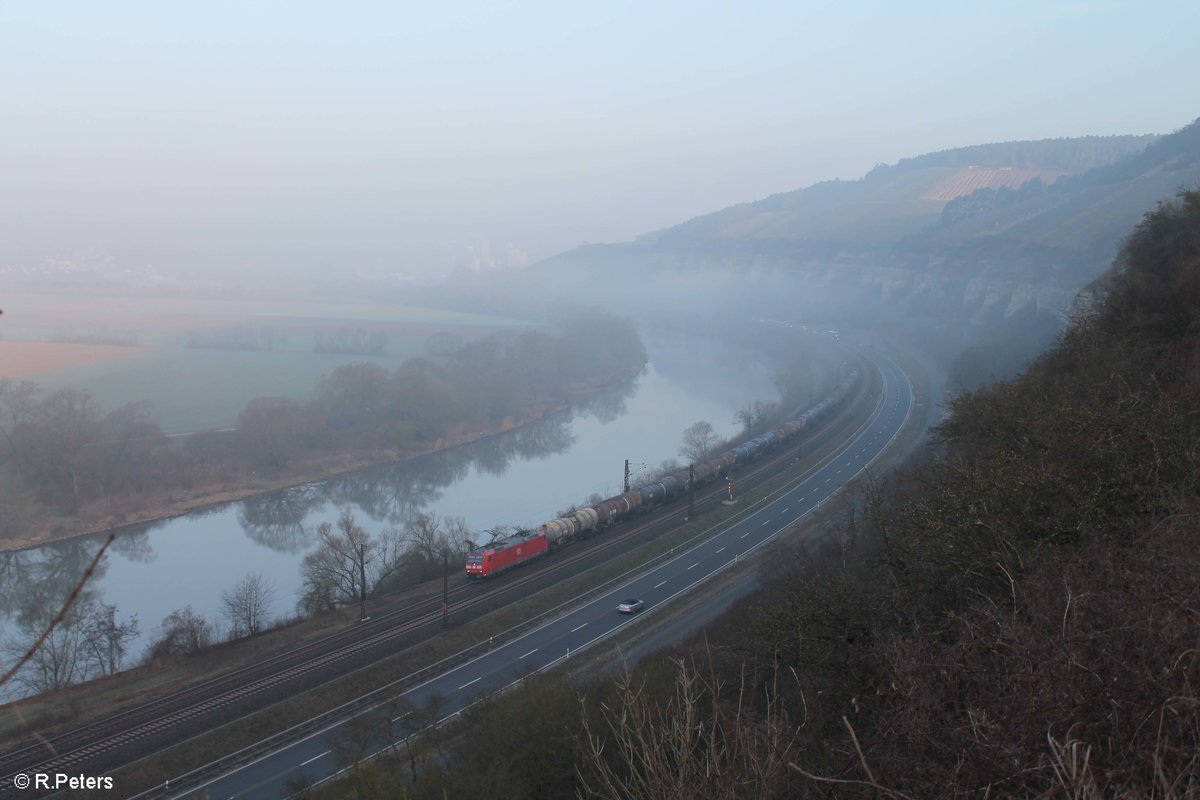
{"x":24,"y":655}
{"x":272,"y":432}
{"x":424,"y":536}
{"x":106,"y":641}
{"x":705,"y":740}
{"x":87,"y":641}
{"x":56,"y":658}
{"x":247,"y":604}
{"x":17,"y":504}
{"x":793,"y":383}
{"x":745,"y":417}
{"x":698,"y":441}
{"x":183,"y":633}
{"x":332,"y":572}
{"x":754,"y":415}
{"x":347,"y":564}
{"x":456,"y":535}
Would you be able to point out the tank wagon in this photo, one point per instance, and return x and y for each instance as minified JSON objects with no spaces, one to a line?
{"x":497,"y":556}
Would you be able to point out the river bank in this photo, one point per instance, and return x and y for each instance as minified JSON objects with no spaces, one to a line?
{"x":101,"y":516}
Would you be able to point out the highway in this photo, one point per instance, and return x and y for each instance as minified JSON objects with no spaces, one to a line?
{"x":313,"y":759}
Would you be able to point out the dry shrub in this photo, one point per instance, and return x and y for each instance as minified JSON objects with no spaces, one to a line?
{"x":1087,"y":684}
{"x":705,"y":739}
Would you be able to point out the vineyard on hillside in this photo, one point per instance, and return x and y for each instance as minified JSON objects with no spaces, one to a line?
{"x":971,"y":179}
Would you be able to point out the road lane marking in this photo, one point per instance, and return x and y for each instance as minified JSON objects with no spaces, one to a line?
{"x":314,"y":758}
{"x":468,"y":683}
{"x":527,"y":655}
{"x":789,"y":508}
{"x":581,"y":627}
{"x":722,"y":550}
{"x":766,"y":522}
{"x":693,"y":566}
{"x":659,"y":584}
{"x":744,"y":535}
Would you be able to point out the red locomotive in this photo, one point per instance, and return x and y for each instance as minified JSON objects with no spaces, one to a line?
{"x":505,"y":553}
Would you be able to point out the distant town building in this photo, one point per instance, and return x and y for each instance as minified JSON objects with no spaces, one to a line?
{"x":482,"y":258}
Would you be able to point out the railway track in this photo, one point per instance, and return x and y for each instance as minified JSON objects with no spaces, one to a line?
{"x":251,"y":687}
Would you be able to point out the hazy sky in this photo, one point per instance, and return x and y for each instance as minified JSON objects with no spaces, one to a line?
{"x":292,"y":135}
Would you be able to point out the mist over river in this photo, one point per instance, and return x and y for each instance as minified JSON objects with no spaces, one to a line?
{"x":519,"y":478}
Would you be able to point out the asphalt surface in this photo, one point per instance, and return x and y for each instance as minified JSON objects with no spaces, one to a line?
{"x":314,"y":758}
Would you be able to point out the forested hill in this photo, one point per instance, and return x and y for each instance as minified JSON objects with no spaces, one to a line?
{"x":1071,"y":227}
{"x":1018,"y":617}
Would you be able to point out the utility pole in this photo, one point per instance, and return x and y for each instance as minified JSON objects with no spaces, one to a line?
{"x":445,"y":588}
{"x":691,"y":489}
{"x":362,"y":582}
{"x":112,"y":638}
{"x":627,"y":475}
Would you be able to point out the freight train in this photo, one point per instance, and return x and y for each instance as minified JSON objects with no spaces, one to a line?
{"x":522,"y":547}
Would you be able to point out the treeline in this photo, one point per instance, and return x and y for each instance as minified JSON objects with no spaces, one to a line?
{"x":342,"y":341}
{"x":109,"y":336}
{"x":988,"y":200}
{"x":1015,"y":617}
{"x":60,"y":452}
{"x":352,"y":341}
{"x":481,"y":383}
{"x":91,"y":640}
{"x":1070,"y":155}
{"x":237,"y":337}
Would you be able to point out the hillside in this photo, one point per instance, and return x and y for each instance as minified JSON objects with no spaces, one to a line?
{"x":1015,"y":618}
{"x":1079,"y":219}
{"x":904,"y":242}
{"x":891,"y":202}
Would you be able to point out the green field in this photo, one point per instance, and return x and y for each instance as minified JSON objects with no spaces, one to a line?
{"x":198,"y":389}
{"x":201,"y":389}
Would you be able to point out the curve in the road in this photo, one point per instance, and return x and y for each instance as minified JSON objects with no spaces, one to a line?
{"x":311,"y":760}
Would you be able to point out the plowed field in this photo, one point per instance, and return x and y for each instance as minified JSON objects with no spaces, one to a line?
{"x":28,"y":358}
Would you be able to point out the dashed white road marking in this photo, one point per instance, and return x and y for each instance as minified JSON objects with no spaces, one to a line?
{"x":468,"y":683}
{"x":314,"y":758}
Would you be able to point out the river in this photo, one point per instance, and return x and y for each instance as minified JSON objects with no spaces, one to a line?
{"x":519,"y":478}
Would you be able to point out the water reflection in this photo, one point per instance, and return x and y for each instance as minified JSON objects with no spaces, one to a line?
{"x":134,"y":545}
{"x":35,"y":584}
{"x":201,"y":555}
{"x":276,"y":520}
{"x":396,"y":493}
